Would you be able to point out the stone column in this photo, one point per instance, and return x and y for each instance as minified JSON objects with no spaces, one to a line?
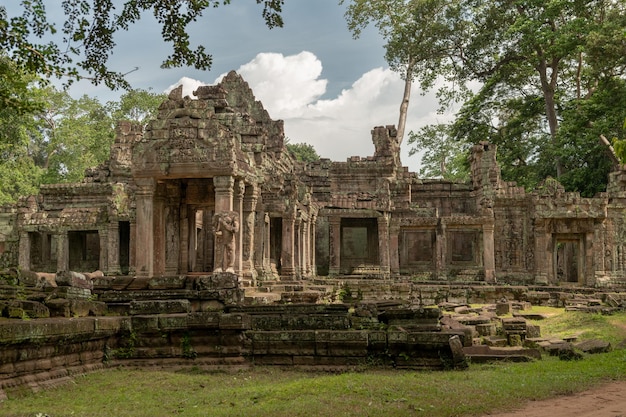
{"x":544,"y":253}
{"x":63,"y":252}
{"x":297,"y":245}
{"x":223,"y":193}
{"x":132,"y":255}
{"x":312,"y":232}
{"x":103,"y":262}
{"x":394,"y":247}
{"x":113,"y":249}
{"x":172,"y":229}
{"x":248,"y":225}
{"x":287,"y":250}
{"x":260,"y":231}
{"x":383,"y":244}
{"x":334,"y":227}
{"x":241,"y":189}
{"x":24,"y":251}
{"x":158,"y":221}
{"x":489,"y":262}
{"x":441,"y":247}
{"x":306,"y":251}
{"x":267,"y":244}
{"x":145,"y":227}
{"x":587,"y":246}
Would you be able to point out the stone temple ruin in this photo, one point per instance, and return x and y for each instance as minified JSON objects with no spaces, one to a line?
{"x":203,"y":239}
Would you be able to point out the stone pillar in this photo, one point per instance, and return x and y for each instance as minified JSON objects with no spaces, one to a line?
{"x":287,"y":269}
{"x":113,"y":249}
{"x":394,"y":247}
{"x":441,"y":247}
{"x":241,"y":189}
{"x":334,"y":227}
{"x":260,"y":231}
{"x":132,"y":255}
{"x":103,"y":262}
{"x":267,"y":244}
{"x":587,"y":258}
{"x":312,"y":232}
{"x":63,"y":252}
{"x":172,"y":229}
{"x":145,"y":227}
{"x":489,"y":262}
{"x":158,"y":221}
{"x":24,"y":251}
{"x":544,"y":254}
{"x":248,"y":225}
{"x":306,"y":239}
{"x":297,"y":245}
{"x":383,"y":244}
{"x":223,"y":193}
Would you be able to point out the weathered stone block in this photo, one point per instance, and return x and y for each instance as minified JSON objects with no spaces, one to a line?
{"x":217,"y":281}
{"x":235,"y":321}
{"x":173,"y":322}
{"x":145,"y":324}
{"x":73,"y":279}
{"x":208,"y":320}
{"x":159,"y":307}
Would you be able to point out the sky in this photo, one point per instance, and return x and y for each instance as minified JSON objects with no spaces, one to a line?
{"x":330,"y":89}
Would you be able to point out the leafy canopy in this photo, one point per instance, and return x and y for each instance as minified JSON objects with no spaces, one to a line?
{"x":86,"y":38}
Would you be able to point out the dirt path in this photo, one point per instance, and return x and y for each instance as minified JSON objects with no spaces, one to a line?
{"x":605,"y":401}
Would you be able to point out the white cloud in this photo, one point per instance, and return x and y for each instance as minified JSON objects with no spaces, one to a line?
{"x":290,"y":89}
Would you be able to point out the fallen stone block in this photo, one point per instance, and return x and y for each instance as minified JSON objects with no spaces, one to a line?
{"x":593,"y":346}
{"x":73,"y":279}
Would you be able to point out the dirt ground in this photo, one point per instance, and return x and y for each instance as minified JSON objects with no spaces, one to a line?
{"x":605,"y":401}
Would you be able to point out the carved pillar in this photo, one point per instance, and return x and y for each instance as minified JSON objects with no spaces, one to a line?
{"x":63,"y":252}
{"x":267,"y":240}
{"x":297,"y":246}
{"x":306,"y":264}
{"x":441,"y":245}
{"x":24,"y":251}
{"x":113,"y":249}
{"x":103,"y":261}
{"x":241,"y":189}
{"x":312,"y":232}
{"x":183,"y":238}
{"x":287,"y":250}
{"x":145,"y":227}
{"x":383,"y":244}
{"x":334,"y":227}
{"x":588,"y":259}
{"x":172,"y":229}
{"x":223,"y":193}
{"x":158,"y":233}
{"x":394,"y":247}
{"x":544,"y":253}
{"x":248,"y":225}
{"x":489,"y":262}
{"x":260,"y":230}
{"x":132,"y":243}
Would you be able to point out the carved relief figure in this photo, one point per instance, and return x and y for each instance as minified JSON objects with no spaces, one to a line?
{"x":225,"y":227}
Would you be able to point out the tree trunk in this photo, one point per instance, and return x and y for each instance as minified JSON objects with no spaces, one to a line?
{"x":548,"y":87}
{"x":404,"y":106}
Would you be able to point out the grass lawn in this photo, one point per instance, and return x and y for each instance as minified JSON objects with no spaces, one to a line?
{"x":375,"y":392}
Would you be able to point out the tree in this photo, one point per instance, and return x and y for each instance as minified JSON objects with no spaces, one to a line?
{"x":419,"y":34}
{"x":303,"y":151}
{"x":442,"y":156}
{"x":136,"y":105}
{"x":88,"y":32}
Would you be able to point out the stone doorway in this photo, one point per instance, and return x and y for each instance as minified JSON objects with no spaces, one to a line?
{"x":569,"y":260}
{"x":359,"y":245}
{"x":276,"y":238}
{"x":124,"y":247}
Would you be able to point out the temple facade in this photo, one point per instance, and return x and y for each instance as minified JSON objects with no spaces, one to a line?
{"x":210,"y":186}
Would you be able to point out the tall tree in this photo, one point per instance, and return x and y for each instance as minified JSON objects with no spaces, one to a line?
{"x":420,"y":35}
{"x":87,"y":35}
{"x":136,"y":105}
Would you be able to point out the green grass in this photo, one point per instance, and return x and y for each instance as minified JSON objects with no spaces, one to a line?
{"x":280,"y":392}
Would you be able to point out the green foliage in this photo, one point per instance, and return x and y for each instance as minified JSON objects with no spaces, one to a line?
{"x":303,"y":152}
{"x":88,"y":32}
{"x":441,"y":155}
{"x":136,"y":105}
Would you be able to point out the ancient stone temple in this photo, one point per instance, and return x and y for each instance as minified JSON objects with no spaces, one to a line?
{"x":210,"y":186}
